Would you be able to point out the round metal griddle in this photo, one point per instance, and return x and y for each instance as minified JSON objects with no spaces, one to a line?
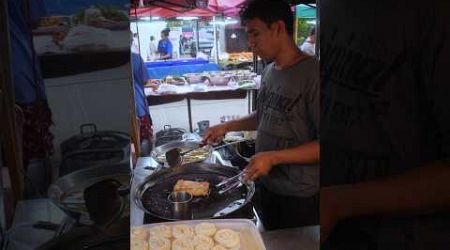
{"x":152,"y":194}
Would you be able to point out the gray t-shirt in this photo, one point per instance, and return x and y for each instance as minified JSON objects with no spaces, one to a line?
{"x":385,"y":111}
{"x":288,"y":116}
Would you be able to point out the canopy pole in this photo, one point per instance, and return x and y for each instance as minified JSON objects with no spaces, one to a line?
{"x":216,"y":43}
{"x":197,"y":36}
{"x":137,"y":31}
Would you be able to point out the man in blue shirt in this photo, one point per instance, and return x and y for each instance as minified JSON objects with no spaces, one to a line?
{"x":33,"y":112}
{"x":141,"y":79}
{"x":29,"y":89}
{"x":165,"y":47}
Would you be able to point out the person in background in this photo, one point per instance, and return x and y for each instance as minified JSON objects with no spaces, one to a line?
{"x":135,"y":43}
{"x":286,"y":120}
{"x":151,"y":53}
{"x":30,"y":96}
{"x":182,"y":44}
{"x":309,"y":45}
{"x":165,"y":47}
{"x":140,"y":81}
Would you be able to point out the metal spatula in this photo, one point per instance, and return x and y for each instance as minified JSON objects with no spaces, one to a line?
{"x":173,"y":157}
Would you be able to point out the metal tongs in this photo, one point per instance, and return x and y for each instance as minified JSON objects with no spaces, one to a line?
{"x":230,"y":183}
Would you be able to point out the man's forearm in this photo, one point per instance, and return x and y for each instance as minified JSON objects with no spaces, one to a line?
{"x":247,"y":123}
{"x":420,"y":190}
{"x":307,"y":153}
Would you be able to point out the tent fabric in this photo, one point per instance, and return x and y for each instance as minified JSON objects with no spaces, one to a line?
{"x":215,"y":7}
{"x":226,"y":7}
{"x":305,"y":11}
{"x":163,"y":12}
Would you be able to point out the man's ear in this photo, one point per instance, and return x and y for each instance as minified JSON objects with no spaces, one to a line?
{"x":279,"y":27}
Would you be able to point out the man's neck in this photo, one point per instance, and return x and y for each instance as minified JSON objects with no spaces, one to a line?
{"x":288,"y":55}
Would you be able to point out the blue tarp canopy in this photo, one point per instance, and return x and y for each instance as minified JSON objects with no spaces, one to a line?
{"x":161,"y":69}
{"x":305,"y":11}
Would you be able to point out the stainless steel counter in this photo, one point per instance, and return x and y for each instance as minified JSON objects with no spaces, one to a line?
{"x":304,"y":238}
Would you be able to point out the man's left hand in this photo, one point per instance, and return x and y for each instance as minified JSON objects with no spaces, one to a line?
{"x":152,"y":84}
{"x":260,"y":165}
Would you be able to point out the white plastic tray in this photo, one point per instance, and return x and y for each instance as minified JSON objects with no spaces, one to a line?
{"x":249,"y":234}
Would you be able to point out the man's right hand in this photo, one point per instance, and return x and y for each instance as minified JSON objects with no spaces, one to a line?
{"x":215,"y":134}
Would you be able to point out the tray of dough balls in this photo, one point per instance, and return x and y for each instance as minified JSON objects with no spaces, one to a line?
{"x":217,"y":234}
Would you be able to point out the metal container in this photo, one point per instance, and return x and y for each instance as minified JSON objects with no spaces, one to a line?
{"x":158,"y":153}
{"x":92,"y":148}
{"x":194,"y":78}
{"x":169,"y":134}
{"x":250,"y":237}
{"x":219,"y":79}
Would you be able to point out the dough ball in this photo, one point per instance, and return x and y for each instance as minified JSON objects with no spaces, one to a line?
{"x":182,"y":231}
{"x":218,"y":247}
{"x":139,"y":234}
{"x":227,"y":238}
{"x":160,"y":231}
{"x":207,"y":229}
{"x":138,"y":244}
{"x":203,"y":240}
{"x":203,"y":247}
{"x":182,"y":244}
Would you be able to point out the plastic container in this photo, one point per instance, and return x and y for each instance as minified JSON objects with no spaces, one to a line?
{"x":249,"y":235}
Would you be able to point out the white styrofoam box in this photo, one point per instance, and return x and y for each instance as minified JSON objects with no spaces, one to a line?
{"x":250,"y":237}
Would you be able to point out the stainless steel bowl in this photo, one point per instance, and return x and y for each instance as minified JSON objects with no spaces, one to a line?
{"x":194,"y":78}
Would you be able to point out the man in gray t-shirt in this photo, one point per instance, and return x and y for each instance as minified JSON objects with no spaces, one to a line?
{"x":286,"y":119}
{"x":288,"y":116}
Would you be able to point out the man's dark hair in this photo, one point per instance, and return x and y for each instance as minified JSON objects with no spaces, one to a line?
{"x":269,"y":11}
{"x":152,"y":38}
{"x":166,"y":31}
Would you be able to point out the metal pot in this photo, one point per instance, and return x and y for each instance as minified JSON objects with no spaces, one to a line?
{"x":168,"y":134}
{"x":245,"y":149}
{"x":152,"y":195}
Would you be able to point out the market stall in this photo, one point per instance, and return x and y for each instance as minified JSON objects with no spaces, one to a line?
{"x":161,"y":69}
{"x":210,"y":56}
{"x":206,"y":86}
{"x":202,"y":39}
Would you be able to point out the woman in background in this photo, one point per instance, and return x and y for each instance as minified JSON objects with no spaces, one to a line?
{"x":165,"y":47}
